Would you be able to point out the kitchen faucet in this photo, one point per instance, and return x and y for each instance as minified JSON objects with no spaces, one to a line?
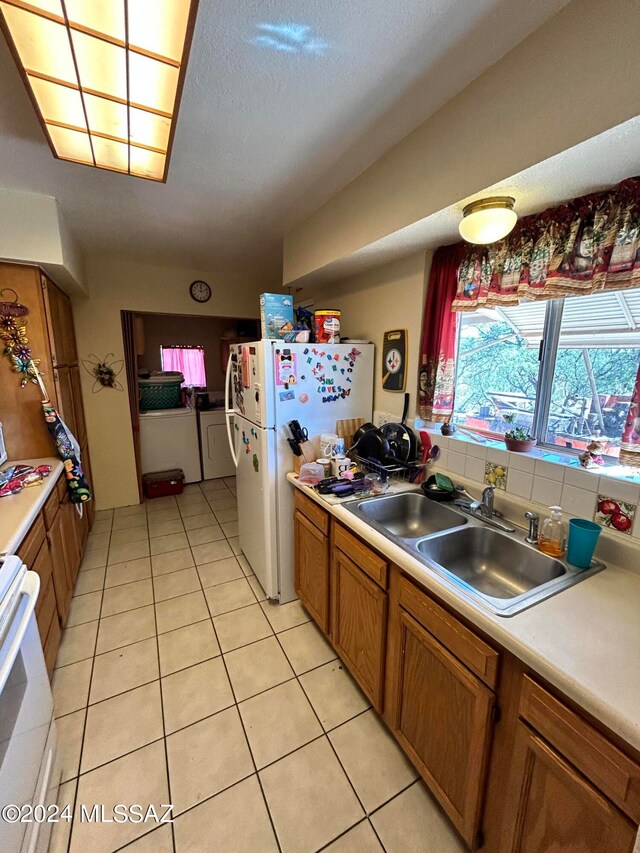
{"x":485,"y":505}
{"x":483,"y":510}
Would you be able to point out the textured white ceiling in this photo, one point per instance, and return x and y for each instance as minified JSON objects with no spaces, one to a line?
{"x":266,"y":135}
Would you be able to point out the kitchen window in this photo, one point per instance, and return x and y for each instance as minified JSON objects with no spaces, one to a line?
{"x":187,"y":360}
{"x":562,"y":369}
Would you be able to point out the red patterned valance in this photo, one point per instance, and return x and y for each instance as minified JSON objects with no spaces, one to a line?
{"x":591,"y":243}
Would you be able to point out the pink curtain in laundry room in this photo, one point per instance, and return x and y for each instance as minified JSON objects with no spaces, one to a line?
{"x":187,"y":360}
{"x":439,"y":337}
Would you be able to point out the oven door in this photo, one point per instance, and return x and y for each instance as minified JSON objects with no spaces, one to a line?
{"x":27,"y":732}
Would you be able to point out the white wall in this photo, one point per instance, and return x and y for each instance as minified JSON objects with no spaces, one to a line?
{"x":573,"y":78}
{"x":116,"y":285}
{"x":387,"y":297}
{"x":33,"y":230}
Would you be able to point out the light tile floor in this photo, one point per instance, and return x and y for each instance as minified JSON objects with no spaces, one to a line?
{"x":178,"y":682}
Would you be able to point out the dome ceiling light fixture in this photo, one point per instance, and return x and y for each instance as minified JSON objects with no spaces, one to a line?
{"x":488,"y":220}
{"x":105,"y":78}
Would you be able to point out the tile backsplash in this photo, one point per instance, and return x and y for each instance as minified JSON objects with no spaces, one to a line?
{"x":580,"y":492}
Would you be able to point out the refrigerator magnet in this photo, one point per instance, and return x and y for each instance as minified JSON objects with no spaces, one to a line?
{"x":303,"y":398}
{"x":286,"y":395}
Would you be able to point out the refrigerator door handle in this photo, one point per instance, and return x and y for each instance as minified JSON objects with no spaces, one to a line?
{"x":228,"y":412}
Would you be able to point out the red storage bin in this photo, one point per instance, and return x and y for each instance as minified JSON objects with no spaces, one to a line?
{"x":159,"y":484}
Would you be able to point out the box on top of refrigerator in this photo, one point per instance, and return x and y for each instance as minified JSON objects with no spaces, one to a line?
{"x":276,"y":314}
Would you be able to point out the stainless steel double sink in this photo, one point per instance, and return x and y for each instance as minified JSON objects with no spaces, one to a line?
{"x":497,"y":570}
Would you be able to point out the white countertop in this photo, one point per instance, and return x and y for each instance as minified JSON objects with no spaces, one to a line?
{"x":584,"y":640}
{"x":18,"y":512}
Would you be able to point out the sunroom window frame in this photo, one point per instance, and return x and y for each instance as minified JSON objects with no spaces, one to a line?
{"x":547,"y":358}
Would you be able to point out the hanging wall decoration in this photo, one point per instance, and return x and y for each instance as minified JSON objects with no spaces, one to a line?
{"x":13,"y":334}
{"x":394,"y":359}
{"x":104,"y":371}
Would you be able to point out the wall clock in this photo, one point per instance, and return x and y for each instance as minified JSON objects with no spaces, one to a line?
{"x":200,"y":291}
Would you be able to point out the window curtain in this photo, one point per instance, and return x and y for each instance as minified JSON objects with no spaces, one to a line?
{"x":438,"y":348}
{"x":630,"y":444}
{"x":187,"y":360}
{"x":591,"y":243}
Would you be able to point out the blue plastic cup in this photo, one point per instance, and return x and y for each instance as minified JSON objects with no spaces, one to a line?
{"x":583,"y":536}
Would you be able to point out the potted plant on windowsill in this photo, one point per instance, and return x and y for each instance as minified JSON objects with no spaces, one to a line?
{"x":517,"y":439}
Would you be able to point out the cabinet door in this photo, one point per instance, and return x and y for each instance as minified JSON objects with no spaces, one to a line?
{"x":62,"y":378}
{"x":444,"y":722}
{"x":90,"y":506}
{"x":62,"y":338}
{"x":550,"y":806}
{"x":70,"y":539}
{"x":78,"y":407}
{"x":61,"y":574}
{"x":312,"y":569}
{"x":359,"y":624}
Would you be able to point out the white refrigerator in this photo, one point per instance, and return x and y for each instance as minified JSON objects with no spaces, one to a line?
{"x":268,"y":384}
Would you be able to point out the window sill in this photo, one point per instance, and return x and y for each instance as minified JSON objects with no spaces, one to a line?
{"x":460,"y":443}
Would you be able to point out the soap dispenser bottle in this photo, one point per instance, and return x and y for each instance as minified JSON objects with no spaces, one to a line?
{"x":553,"y":535}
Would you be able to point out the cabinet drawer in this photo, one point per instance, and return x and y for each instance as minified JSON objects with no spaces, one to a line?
{"x":313,"y":512}
{"x":50,"y":509}
{"x":480,"y":657}
{"x":32,"y":542}
{"x":376,"y":567}
{"x":609,"y":769}
{"x":45,"y":609}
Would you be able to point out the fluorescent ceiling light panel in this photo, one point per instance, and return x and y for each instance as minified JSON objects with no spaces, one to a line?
{"x":105,"y":76}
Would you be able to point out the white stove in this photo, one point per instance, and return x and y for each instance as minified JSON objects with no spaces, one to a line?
{"x":29,"y":774}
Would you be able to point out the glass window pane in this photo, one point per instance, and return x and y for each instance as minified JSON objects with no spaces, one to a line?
{"x":58,"y":103}
{"x":147,"y":164}
{"x":152,"y":83}
{"x":110,"y":154}
{"x":102,"y":16}
{"x":149,"y":129}
{"x":43,"y":45}
{"x":595,"y":370}
{"x":159,"y":27}
{"x":102,"y":67}
{"x":71,"y":144}
{"x":106,"y":116}
{"x":497,"y":368}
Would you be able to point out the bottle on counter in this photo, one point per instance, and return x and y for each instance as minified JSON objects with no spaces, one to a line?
{"x":553,"y":535}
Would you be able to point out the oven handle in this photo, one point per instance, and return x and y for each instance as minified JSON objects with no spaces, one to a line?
{"x":30,"y":589}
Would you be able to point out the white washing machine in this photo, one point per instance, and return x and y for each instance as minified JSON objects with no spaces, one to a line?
{"x":169,"y":439}
{"x":214,"y":446}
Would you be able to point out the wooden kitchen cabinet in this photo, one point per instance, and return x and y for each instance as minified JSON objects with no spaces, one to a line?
{"x":569,"y":786}
{"x":59,"y":316}
{"x":62,"y":580}
{"x":550,"y":806}
{"x":312,"y":569}
{"x":444,"y":677}
{"x":444,"y":722}
{"x":359,"y":625}
{"x":73,"y":546}
{"x":64,"y":392}
{"x":78,"y":407}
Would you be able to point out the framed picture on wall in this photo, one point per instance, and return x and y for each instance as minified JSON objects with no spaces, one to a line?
{"x":394,"y":359}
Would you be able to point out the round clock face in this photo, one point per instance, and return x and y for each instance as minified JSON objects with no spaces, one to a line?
{"x":200,"y":291}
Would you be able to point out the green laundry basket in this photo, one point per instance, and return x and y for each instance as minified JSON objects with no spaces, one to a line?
{"x":160,"y":391}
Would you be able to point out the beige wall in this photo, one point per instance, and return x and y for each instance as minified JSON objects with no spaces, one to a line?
{"x":573,"y":78}
{"x":116,"y":285}
{"x":387,"y":297}
{"x":171,"y":330}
